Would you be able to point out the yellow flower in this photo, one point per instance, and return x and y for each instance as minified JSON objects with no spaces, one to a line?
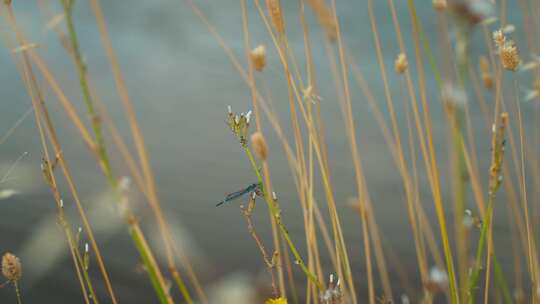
{"x":276,"y":301}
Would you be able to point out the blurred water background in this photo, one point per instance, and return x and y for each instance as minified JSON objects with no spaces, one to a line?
{"x":181,"y":82}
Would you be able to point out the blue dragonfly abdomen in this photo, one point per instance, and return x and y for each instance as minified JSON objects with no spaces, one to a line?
{"x":237,"y":194}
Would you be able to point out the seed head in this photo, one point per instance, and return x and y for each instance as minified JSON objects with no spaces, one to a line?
{"x":499,"y":38}
{"x":484,"y":64}
{"x":401,"y":63}
{"x":258,"y":57}
{"x":536,"y":85}
{"x":439,"y":4}
{"x":259,"y":145}
{"x":11,"y":267}
{"x":274,"y":10}
{"x":509,"y":55}
{"x":485,"y":72}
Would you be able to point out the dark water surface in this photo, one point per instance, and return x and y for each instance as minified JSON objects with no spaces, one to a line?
{"x":180,"y":82}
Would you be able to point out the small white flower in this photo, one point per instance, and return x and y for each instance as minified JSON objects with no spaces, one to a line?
{"x":248,"y":116}
{"x":531,"y":95}
{"x":405,"y":299}
{"x":124,"y":183}
{"x":453,"y":95}
{"x":482,"y":8}
{"x":468,"y":220}
{"x":438,"y":276}
{"x":229,"y":109}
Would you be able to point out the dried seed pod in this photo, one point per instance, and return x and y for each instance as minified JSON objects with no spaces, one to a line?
{"x":485,"y":72}
{"x":401,"y":63}
{"x":11,"y":267}
{"x":536,"y":85}
{"x":509,"y":55}
{"x":258,"y":57}
{"x":259,"y":145}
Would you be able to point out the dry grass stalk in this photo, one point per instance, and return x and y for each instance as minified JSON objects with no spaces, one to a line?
{"x":276,"y":15}
{"x":325,"y":18}
{"x":485,"y":72}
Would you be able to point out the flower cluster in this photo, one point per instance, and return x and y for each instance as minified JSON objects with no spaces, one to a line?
{"x":508,"y":52}
{"x":239,"y":125}
{"x":11,"y":267}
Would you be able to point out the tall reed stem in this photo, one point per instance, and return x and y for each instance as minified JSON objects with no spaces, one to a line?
{"x":495,"y":180}
{"x":276,"y":213}
{"x":136,"y":233}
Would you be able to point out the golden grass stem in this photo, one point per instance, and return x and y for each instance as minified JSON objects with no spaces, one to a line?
{"x":432,"y":157}
{"x":170,"y":248}
{"x":497,"y":157}
{"x":136,"y":233}
{"x":40,"y":109}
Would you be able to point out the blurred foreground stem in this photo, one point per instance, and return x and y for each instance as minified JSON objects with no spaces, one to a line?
{"x":136,"y":233}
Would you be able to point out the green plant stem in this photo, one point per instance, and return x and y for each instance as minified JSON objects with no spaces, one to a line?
{"x":418,"y":37}
{"x":18,"y":292}
{"x":461,"y":173}
{"x":135,"y":231}
{"x":276,"y":213}
{"x":140,"y":243}
{"x":82,"y":71}
{"x":500,"y":281}
{"x":181,"y":286}
{"x":79,"y":261}
{"x":475,"y":273}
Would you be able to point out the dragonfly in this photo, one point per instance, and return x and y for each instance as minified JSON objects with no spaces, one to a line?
{"x":253,"y":188}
